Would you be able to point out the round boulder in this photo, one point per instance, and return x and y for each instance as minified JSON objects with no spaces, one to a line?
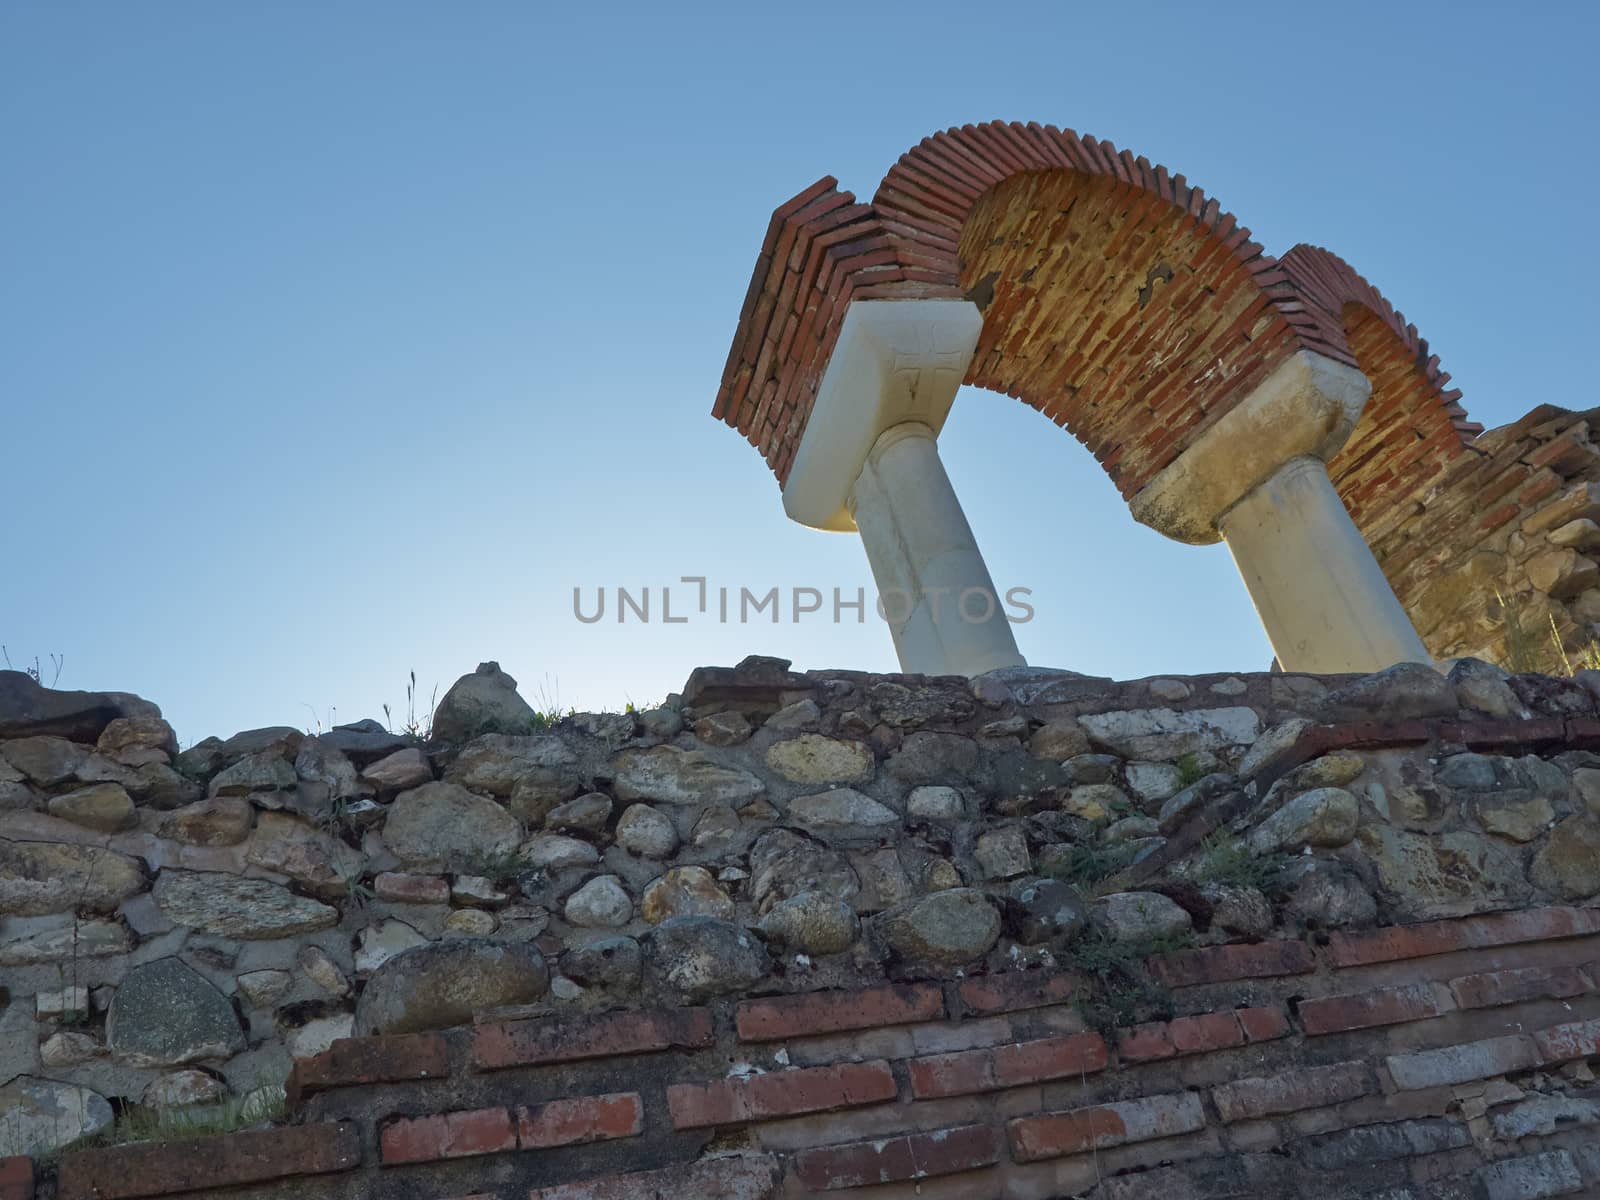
{"x":700,"y":957}
{"x":948,"y":928}
{"x":445,"y":984}
{"x":810,"y":923}
{"x":166,"y":1014}
{"x":444,"y":826}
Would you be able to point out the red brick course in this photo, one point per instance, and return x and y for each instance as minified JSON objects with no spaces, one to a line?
{"x":1362,"y":1010}
{"x":1493,"y":988}
{"x":779,"y":1094}
{"x":353,"y":1062}
{"x":16,"y":1178}
{"x":582,"y":1119}
{"x":1304,"y":1087}
{"x":568,"y":1039}
{"x":996,"y":1067}
{"x":1465,"y":933}
{"x":834,"y":1012}
{"x":447,"y":1135}
{"x":747,"y":1177}
{"x":1222,"y":964}
{"x":1016,"y":991}
{"x":1052,"y":1135}
{"x":253,"y":1156}
{"x":914,"y":1156}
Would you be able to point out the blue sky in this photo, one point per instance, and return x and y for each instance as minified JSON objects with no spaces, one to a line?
{"x":344,"y":340}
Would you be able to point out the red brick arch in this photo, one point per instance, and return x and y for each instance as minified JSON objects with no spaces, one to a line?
{"x":1118,"y":299}
{"x":1413,"y":426}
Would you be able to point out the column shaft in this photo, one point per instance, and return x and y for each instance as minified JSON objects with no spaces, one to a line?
{"x":1320,"y":593}
{"x":944,"y":613}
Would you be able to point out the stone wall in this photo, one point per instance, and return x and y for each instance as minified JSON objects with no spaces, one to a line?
{"x":1515,"y":518}
{"x":1036,"y":934}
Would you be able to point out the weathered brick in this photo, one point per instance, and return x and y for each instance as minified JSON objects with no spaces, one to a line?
{"x":1263,"y":1024}
{"x":743,"y":1177}
{"x":447,"y":1135}
{"x":833,"y":1012}
{"x":1052,"y":1135}
{"x":914,"y":1156}
{"x":1220,"y":964}
{"x":354,"y":1062}
{"x":1534,"y":1177}
{"x":1513,"y":986}
{"x":1145,"y":1043}
{"x":16,"y":1178}
{"x":779,"y":1094}
{"x":1181,"y":1035}
{"x":579,"y":1119}
{"x":997,"y":1067}
{"x":1380,"y":1143}
{"x":1303,"y":1087}
{"x":197,"y":1164}
{"x":1458,"y":1064}
{"x":1016,"y":990}
{"x":1363,"y":1010}
{"x":1465,"y":933}
{"x":1572,"y":1039}
{"x":567,"y":1039}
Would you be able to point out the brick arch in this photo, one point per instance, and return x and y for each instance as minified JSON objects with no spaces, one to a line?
{"x":1413,"y":425}
{"x":1119,"y":300}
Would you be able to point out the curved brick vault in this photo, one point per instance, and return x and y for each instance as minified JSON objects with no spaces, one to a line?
{"x":1117,"y":299}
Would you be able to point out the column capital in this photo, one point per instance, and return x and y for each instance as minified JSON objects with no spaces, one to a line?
{"x":895,"y":361}
{"x":1308,"y":406}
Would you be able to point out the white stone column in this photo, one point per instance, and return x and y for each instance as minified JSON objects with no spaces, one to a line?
{"x":1257,"y":478}
{"x":1318,"y":590}
{"x":869,"y":461}
{"x":941,"y":605}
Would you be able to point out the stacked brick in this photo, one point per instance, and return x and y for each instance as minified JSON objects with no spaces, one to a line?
{"x":1515,"y":518}
{"x":1446,"y":1059}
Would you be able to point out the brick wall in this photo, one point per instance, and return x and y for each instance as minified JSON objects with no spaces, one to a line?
{"x":1443,"y":1059}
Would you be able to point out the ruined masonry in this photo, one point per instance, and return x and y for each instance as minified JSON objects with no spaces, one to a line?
{"x":1026,"y":935}
{"x":1281,"y":405}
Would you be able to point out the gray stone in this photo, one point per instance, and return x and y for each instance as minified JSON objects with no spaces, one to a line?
{"x":406,"y":768}
{"x":442,"y":826}
{"x":612,"y":963}
{"x":672,"y":776}
{"x":1568,"y":866}
{"x":685,"y":892}
{"x":1059,"y":740}
{"x":1541,"y":1116}
{"x":948,"y":928}
{"x":445,"y":984}
{"x":940,"y":805}
{"x":1139,"y":916}
{"x":696,"y":958}
{"x":1164,"y":735}
{"x":586,"y":814}
{"x":160,"y":787}
{"x":1003,"y":853}
{"x":470,"y":922}
{"x":68,"y":1048}
{"x":926,"y":757}
{"x":498,"y":763}
{"x":716,"y":830}
{"x":318,"y":1034}
{"x":220,"y":821}
{"x":46,"y":761}
{"x":643,"y":831}
{"x":477,"y":891}
{"x":602,"y":903}
{"x":810,"y":923}
{"x":1129,"y":828}
{"x":266,"y":771}
{"x":366,"y":742}
{"x":17,"y":797}
{"x":1328,"y":770}
{"x":320,"y":968}
{"x":39,"y":1116}
{"x":184,"y":1089}
{"x":784,"y":863}
{"x":1169,"y":691}
{"x":802,"y":714}
{"x":813,"y":759}
{"x":1154,"y":782}
{"x":1272,"y":746}
{"x":290,"y":846}
{"x":1319,"y":893}
{"x":924,"y":704}
{"x":1095,"y":802}
{"x":377,"y":944}
{"x":1520,"y":816}
{"x":1211,"y":790}
{"x":236,"y":907}
{"x":1237,"y":910}
{"x":1321,"y":817}
{"x":556,"y":852}
{"x":1485,"y":687}
{"x":1532,"y":1177}
{"x":723,"y":729}
{"x":1045,"y":911}
{"x":49,"y":877}
{"x":841,"y":811}
{"x":1450,"y":875}
{"x":166,"y":1014}
{"x":105,"y":807}
{"x":264,"y":988}
{"x":1402,"y":692}
{"x":27,"y":707}
{"x":661,"y":722}
{"x":884,"y":881}
{"x":81,"y":939}
{"x":1586,"y":785}
{"x":484,"y":702}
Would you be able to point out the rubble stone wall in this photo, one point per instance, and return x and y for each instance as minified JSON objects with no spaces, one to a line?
{"x":1035,"y":934}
